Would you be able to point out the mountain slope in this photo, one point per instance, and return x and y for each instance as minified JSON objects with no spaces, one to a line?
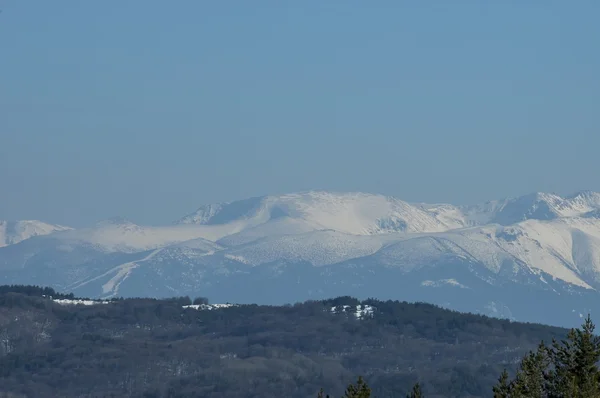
{"x":499,"y":258}
{"x":536,"y":206}
{"x":12,"y":232}
{"x":352,"y":213}
{"x":128,"y":237}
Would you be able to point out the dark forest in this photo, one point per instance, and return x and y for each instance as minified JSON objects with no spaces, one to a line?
{"x":156,"y":348}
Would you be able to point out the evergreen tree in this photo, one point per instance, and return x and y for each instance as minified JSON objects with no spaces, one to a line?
{"x":416,"y":392}
{"x":360,"y":390}
{"x":530,"y":381}
{"x":503,"y":388}
{"x":567,"y":369}
{"x":586,"y":359}
{"x":560,"y":381}
{"x":321,"y":394}
{"x":575,"y":372}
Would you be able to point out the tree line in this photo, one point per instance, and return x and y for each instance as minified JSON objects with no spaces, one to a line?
{"x":565,"y":369}
{"x":157,"y":348}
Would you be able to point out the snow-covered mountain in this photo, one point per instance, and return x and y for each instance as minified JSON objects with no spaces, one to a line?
{"x":537,"y":206}
{"x":534,"y":258}
{"x":351,"y":213}
{"x":12,"y":232}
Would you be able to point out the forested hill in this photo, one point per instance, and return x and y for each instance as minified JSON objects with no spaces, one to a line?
{"x":51,"y":347}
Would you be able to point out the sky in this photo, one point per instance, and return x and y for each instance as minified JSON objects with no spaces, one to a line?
{"x":149,"y":109}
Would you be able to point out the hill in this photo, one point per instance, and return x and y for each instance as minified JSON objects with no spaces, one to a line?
{"x":58,"y":345}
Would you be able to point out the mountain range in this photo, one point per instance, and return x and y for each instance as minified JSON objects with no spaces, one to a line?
{"x":531,"y":258}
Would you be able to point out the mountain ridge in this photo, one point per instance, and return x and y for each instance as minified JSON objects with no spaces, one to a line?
{"x":316,"y":243}
{"x":12,"y":232}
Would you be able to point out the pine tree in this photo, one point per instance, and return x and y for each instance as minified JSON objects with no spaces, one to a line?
{"x":588,"y":354}
{"x":567,"y":369}
{"x":575,"y":372}
{"x":560,"y":380}
{"x":503,"y":388}
{"x":530,"y":380}
{"x":416,"y":392}
{"x":360,"y":390}
{"x":321,"y":394}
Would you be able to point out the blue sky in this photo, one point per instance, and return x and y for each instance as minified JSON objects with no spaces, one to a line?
{"x":148,"y":109}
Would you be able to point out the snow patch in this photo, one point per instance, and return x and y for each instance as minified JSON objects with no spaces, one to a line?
{"x":239,"y":259}
{"x":360,"y":312}
{"x":444,"y":282}
{"x":121,"y":272}
{"x":210,"y":307}
{"x":79,"y":302}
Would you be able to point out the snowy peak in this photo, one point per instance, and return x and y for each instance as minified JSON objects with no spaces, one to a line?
{"x":585,"y":201}
{"x":12,"y":232}
{"x":244,"y":221}
{"x":544,"y":206}
{"x":370,"y":214}
{"x":536,"y":206}
{"x":352,"y":213}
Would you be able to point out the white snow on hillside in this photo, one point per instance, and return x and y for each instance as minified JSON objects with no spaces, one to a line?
{"x":18,"y":231}
{"x":540,"y":206}
{"x":444,"y":282}
{"x":317,"y":248}
{"x":554,"y":247}
{"x":277,"y":227}
{"x":568,"y":250}
{"x":209,"y":307}
{"x":351,"y":213}
{"x":531,"y":235}
{"x":130,"y":238}
{"x":365,"y":214}
{"x":198,"y":244}
{"x":79,"y":302}
{"x":414,"y":252}
{"x":360,"y":312}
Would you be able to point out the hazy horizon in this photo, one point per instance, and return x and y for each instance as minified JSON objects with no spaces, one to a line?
{"x":148,"y":110}
{"x":186,"y":212}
